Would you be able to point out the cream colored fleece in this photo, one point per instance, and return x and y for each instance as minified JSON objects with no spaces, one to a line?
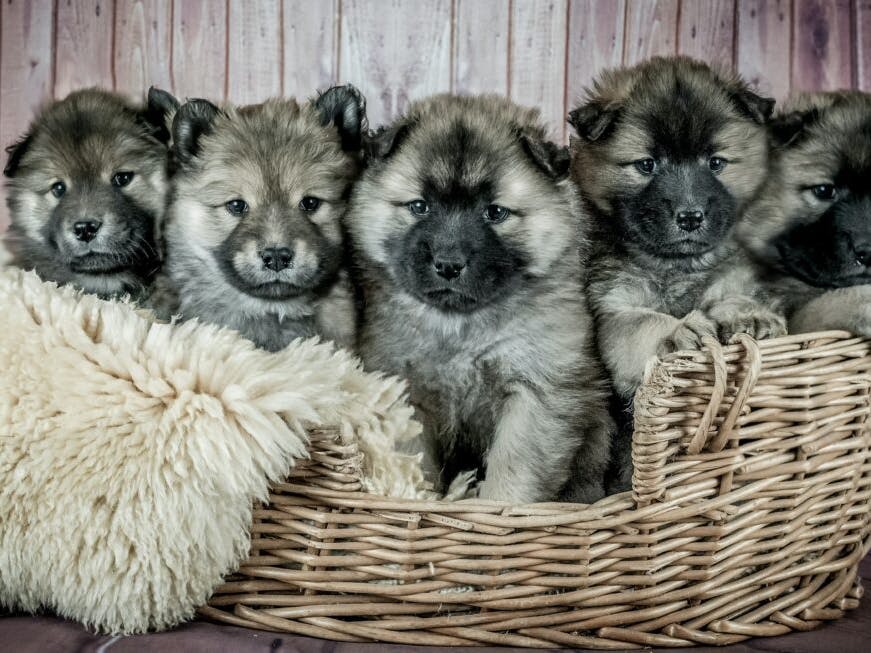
{"x":131,"y":452}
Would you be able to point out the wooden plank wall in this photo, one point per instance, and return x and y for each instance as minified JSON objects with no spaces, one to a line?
{"x":541,"y":52}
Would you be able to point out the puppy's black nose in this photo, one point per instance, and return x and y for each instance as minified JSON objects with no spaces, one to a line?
{"x":86,"y":230}
{"x":276,"y":258}
{"x":690,"y":220}
{"x":449,"y":268}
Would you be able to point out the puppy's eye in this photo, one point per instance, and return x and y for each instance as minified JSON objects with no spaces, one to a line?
{"x":716,"y":164}
{"x":309,"y":203}
{"x":646,"y":166}
{"x":418,"y":207}
{"x":58,"y":189}
{"x":121,"y":179}
{"x":237,"y":207}
{"x":494,"y":214}
{"x":825,"y":192}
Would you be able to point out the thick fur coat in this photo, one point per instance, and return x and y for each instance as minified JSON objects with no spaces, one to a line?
{"x":131,"y":452}
{"x":467,"y":234}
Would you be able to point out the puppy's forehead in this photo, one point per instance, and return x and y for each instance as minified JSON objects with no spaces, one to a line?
{"x":463,"y":163}
{"x":683,"y":118}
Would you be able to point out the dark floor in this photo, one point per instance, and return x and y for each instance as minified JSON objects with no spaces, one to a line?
{"x":851,"y":634}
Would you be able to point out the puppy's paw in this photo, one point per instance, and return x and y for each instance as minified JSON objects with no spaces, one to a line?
{"x":689,"y":333}
{"x":463,"y":486}
{"x":757,"y":322}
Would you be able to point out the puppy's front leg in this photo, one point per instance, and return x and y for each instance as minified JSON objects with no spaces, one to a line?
{"x":529,"y":459}
{"x":731,"y":303}
{"x":842,"y":308}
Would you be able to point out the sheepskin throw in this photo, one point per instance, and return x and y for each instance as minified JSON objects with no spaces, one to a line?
{"x":131,"y":452}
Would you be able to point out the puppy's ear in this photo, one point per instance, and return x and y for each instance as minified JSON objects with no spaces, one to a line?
{"x":192,"y":121}
{"x":16,"y":152}
{"x":754,"y":106}
{"x":159,"y":112}
{"x":551,"y":159}
{"x":593,"y":120}
{"x":788,"y":128}
{"x":382,"y":143}
{"x":345,"y":108}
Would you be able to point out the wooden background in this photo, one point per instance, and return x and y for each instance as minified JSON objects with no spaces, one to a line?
{"x":540,"y":52}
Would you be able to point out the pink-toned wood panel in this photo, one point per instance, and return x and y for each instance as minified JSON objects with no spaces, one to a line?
{"x":254,"y":50}
{"x":538,"y":59}
{"x":651,"y":29}
{"x":706,"y":30}
{"x":862,"y":13}
{"x":143,"y":45}
{"x":822,"y":45}
{"x":481,"y":39}
{"x":26,"y":48}
{"x":199,"y":49}
{"x":83,"y":45}
{"x":311,"y":44}
{"x":395,"y":52}
{"x":595,"y":42}
{"x":763,"y":45}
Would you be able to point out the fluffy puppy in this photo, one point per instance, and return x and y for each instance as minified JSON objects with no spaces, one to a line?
{"x":810,"y":230}
{"x":253,"y":237}
{"x":467,"y":232}
{"x":669,"y":154}
{"x":86,"y":191}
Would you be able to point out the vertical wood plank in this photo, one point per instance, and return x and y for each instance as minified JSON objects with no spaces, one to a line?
{"x":143,"y":45}
{"x":538,"y":59}
{"x":764,"y":38}
{"x":822,"y":45}
{"x":651,"y":29}
{"x":595,"y":42}
{"x":26,"y":43}
{"x":254,"y":52}
{"x":310,"y":46}
{"x":706,"y":31}
{"x":862,"y":12}
{"x":481,"y":46}
{"x":83,"y":46}
{"x":199,"y":49}
{"x":395,"y":51}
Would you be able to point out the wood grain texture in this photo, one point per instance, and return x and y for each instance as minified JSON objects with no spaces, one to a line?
{"x":862,"y":13}
{"x":395,"y":52}
{"x":706,"y":30}
{"x":143,"y":45}
{"x":26,"y":44}
{"x":538,"y":59}
{"x":822,"y":45}
{"x":595,"y":42}
{"x":199,"y":48}
{"x":84,"y":45}
{"x":651,"y":29}
{"x":763,"y":45}
{"x":481,"y":40}
{"x":310,"y":46}
{"x":254,"y":50}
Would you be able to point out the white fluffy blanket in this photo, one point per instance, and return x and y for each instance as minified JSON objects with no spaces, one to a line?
{"x":131,"y":452}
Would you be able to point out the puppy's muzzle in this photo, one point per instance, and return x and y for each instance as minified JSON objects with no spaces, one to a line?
{"x":276,"y":258}
{"x":689,"y":219}
{"x":86,"y":230}
{"x":449,"y":265}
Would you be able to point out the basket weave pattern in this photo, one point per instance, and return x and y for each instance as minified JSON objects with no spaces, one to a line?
{"x":748,"y":517}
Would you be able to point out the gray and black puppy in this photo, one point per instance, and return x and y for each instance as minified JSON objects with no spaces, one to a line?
{"x":669,"y":154}
{"x":810,"y":230}
{"x":253,"y":236}
{"x":467,"y":230}
{"x":86,"y":192}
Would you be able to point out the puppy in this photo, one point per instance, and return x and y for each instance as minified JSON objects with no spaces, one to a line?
{"x":809,"y":232}
{"x":669,"y":154}
{"x":86,"y":192}
{"x":253,"y":237}
{"x":466,"y":231}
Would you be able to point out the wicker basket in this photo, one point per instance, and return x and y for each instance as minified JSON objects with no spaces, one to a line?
{"x":749,"y":516}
